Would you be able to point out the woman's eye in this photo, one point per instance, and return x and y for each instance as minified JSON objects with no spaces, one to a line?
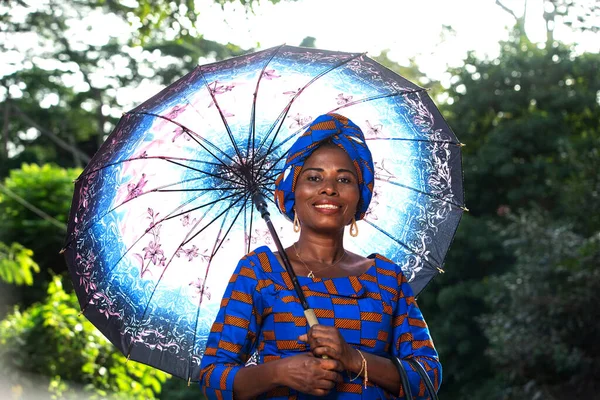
{"x":313,"y":178}
{"x":345,"y":180}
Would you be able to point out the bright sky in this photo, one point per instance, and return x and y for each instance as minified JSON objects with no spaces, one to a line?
{"x":407,"y":28}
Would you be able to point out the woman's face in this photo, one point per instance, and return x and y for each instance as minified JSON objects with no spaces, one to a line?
{"x":327,"y":194}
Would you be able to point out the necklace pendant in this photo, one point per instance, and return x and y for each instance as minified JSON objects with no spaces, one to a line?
{"x":311,"y":275}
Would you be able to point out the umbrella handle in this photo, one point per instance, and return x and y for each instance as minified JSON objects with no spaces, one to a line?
{"x":311,"y":317}
{"x":312,"y":320}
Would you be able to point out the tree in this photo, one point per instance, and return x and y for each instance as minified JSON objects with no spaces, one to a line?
{"x":62,"y":96}
{"x":16,"y":265}
{"x":50,"y":341}
{"x":542,"y":330}
{"x":529,"y":121}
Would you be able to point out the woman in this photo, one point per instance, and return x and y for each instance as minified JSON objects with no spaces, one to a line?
{"x":365,"y":307}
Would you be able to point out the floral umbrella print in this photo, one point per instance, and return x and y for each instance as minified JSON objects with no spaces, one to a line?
{"x":163,"y":211}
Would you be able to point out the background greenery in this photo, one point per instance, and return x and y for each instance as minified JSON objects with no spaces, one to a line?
{"x":514,"y":317}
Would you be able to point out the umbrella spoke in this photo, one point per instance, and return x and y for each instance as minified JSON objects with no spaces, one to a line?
{"x":145,"y":314}
{"x":414,"y":140}
{"x":252,"y":135}
{"x":435,"y":196}
{"x":95,"y":220}
{"x":286,"y":109}
{"x":227,"y":128}
{"x":231,"y":206}
{"x":401,"y":243}
{"x":208,"y":265}
{"x":219,"y":200}
{"x":164,"y":158}
{"x":194,"y":136}
{"x":126,"y":252}
{"x":365,"y":100}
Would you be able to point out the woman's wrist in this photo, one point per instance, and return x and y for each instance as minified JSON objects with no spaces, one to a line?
{"x":355,"y":361}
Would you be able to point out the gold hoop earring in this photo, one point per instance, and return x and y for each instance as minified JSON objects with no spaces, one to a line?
{"x":353,"y":228}
{"x":296,"y":223}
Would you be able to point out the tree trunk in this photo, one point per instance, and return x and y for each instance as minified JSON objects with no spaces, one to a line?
{"x":101,"y":119}
{"x":5,"y":118}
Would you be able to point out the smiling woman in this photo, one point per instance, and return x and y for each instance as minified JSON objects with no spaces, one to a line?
{"x":367,"y":313}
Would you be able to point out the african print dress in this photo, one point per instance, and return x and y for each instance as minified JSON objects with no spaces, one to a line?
{"x":260,"y":313}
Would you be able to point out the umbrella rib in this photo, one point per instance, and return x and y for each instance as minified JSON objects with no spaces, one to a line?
{"x":415,"y":140}
{"x":202,"y":206}
{"x":214,"y":219}
{"x":253,"y":114}
{"x":193,"y":137}
{"x":141,"y":237}
{"x":380,"y":96}
{"x":227,"y":128}
{"x":201,"y":298}
{"x":144,"y":316}
{"x":99,"y":218}
{"x":422,"y":192}
{"x":365,"y":100}
{"x":216,"y":247}
{"x":401,"y":243}
{"x":164,"y":158}
{"x":286,"y":109}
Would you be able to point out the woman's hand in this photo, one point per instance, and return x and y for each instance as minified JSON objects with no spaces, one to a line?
{"x":308,"y":374}
{"x":327,"y":341}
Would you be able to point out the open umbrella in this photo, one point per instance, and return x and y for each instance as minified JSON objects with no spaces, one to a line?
{"x":164,"y":210}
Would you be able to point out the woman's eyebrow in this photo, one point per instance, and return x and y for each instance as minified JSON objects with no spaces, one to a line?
{"x":322,"y":170}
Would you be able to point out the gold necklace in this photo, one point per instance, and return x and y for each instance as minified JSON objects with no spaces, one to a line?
{"x":310,"y":271}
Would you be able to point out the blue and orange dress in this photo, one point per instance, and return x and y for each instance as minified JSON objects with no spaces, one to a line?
{"x":260,"y":314}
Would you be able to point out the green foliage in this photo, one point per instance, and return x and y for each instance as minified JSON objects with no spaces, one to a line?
{"x":520,"y":116}
{"x":154,"y":16}
{"x":544,"y":325}
{"x":530,"y":122}
{"x":16,"y":264}
{"x":411,"y":72}
{"x":50,"y":340}
{"x":34,"y":207}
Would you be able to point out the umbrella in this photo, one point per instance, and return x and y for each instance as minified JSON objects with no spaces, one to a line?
{"x":166,"y":207}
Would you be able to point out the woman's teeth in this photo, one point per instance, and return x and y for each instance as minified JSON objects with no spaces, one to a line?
{"x":327,"y":206}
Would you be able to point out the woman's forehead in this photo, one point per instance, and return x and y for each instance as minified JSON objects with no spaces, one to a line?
{"x":328,"y":155}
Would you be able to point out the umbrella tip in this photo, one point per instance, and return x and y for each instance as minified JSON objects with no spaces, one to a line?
{"x":128,"y":355}
{"x":465,"y":209}
{"x":441,"y":271}
{"x":462,"y":144}
{"x":189,"y":381}
{"x":62,"y":250}
{"x":80,"y":313}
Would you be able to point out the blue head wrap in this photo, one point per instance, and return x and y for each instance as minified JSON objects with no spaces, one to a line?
{"x":341,"y":132}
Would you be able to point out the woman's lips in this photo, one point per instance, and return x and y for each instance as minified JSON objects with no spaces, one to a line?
{"x":327,"y":207}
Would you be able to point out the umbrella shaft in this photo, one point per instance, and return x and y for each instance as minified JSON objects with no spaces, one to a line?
{"x":261,"y":206}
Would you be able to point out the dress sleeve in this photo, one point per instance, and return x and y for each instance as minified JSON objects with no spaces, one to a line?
{"x":233,"y":333}
{"x":412,"y":340}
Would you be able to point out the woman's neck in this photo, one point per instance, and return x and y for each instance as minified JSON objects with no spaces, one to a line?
{"x":326,"y":250}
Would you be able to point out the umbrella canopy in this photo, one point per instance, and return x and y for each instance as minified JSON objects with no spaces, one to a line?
{"x":163,"y":211}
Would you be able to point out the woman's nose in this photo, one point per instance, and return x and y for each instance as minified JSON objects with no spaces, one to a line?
{"x":329,"y":187}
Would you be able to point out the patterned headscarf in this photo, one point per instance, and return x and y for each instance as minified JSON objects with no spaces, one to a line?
{"x":341,"y":132}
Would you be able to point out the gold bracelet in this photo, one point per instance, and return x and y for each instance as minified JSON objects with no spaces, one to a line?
{"x":363,"y":367}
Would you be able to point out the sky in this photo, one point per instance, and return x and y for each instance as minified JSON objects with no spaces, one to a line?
{"x":406,"y":28}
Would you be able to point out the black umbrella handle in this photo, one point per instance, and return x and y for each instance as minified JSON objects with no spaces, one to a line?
{"x":261,"y":206}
